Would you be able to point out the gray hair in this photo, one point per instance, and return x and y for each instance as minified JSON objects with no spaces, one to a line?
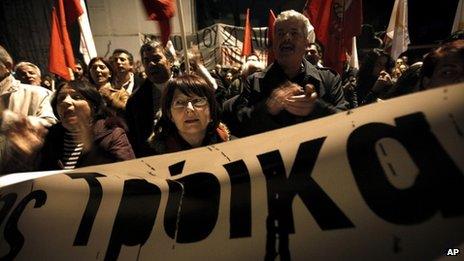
{"x":5,"y":57}
{"x":308,"y":31}
{"x":24,"y":64}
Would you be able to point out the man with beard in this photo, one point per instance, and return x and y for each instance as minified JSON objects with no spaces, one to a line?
{"x":144,"y":103}
{"x":123,"y":65}
{"x":289,"y":91}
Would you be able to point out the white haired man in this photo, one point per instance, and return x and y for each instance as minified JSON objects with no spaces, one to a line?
{"x":289,"y":91}
{"x":28,"y":73}
{"x":25,"y":111}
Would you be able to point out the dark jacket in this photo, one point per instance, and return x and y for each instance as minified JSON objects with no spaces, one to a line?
{"x":246,"y":114}
{"x":141,"y":109}
{"x":110,"y":144}
{"x":138,"y":81}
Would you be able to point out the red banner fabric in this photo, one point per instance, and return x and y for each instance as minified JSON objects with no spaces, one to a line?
{"x":247,"y":48}
{"x":61,"y":53}
{"x":161,"y":11}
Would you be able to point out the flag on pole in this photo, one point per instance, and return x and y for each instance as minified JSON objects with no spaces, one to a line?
{"x":335,"y":23}
{"x":458,"y":18}
{"x":87,"y":45}
{"x":319,"y":14}
{"x":270,"y":36}
{"x":397,"y":35}
{"x":247,"y":47}
{"x":161,"y":11}
{"x":61,"y":57}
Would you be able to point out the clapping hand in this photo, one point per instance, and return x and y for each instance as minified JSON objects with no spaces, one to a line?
{"x":292,"y":98}
{"x":26,"y":138}
{"x":383,"y":83}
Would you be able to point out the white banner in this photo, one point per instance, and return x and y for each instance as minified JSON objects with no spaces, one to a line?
{"x":381,"y":182}
{"x":220,"y":44}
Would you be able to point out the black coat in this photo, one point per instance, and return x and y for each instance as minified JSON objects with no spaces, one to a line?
{"x":246,"y":114}
{"x":141,"y":109}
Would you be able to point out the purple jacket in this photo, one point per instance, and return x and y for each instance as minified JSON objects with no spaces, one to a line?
{"x":110,"y":144}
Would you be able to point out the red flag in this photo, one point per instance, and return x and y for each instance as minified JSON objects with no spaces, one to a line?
{"x":73,"y":10}
{"x":270,"y":36}
{"x":318,"y":13}
{"x":61,"y":53}
{"x":247,"y":48}
{"x":161,"y":11}
{"x":335,"y":25}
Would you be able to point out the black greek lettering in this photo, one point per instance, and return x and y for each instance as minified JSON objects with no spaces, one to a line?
{"x":12,"y":234}
{"x":95,"y":197}
{"x":240,"y":199}
{"x":439,"y":185}
{"x":135,"y":217}
{"x":199,"y":207}
{"x":281,"y":191}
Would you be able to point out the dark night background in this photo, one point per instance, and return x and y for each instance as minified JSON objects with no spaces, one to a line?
{"x":429,"y":22}
{"x":23,"y":21}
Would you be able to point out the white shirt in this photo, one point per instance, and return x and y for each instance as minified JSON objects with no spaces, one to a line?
{"x":26,"y":100}
{"x":129,"y":85}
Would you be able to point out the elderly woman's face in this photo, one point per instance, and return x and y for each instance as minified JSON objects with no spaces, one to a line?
{"x":190,"y":114}
{"x":73,"y":110}
{"x":28,"y":75}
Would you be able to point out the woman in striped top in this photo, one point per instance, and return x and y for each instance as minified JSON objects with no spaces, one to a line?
{"x":85,"y":134}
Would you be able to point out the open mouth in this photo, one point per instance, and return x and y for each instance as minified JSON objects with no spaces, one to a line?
{"x":190,"y":121}
{"x":287,"y":48}
{"x":69,"y":114}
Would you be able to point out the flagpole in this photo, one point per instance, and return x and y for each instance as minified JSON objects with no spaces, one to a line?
{"x":87,"y":44}
{"x":342,"y":42}
{"x":184,"y":38}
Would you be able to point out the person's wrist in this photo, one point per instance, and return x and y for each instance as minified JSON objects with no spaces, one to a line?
{"x":272,"y":106}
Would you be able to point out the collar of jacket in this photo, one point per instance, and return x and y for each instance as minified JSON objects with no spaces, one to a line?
{"x":274,"y":76}
{"x":9,"y":85}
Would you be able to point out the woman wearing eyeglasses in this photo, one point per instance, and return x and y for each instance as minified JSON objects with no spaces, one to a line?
{"x":190,"y":116}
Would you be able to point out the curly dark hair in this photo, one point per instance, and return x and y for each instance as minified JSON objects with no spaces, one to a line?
{"x":107,"y":64}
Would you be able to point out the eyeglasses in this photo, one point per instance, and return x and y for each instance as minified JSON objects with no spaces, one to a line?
{"x":198,"y":103}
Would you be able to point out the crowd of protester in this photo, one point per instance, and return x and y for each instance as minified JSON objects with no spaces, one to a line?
{"x":114,"y":110}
